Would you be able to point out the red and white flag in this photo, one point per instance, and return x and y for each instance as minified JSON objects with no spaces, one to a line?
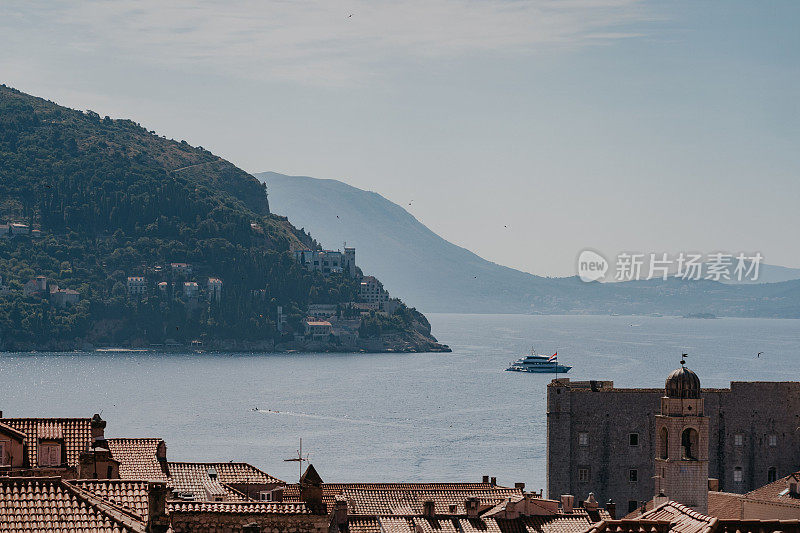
{"x":553,"y":358}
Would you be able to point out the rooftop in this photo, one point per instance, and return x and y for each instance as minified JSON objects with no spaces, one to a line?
{"x":76,"y":433}
{"x":48,"y":504}
{"x":138,"y":458}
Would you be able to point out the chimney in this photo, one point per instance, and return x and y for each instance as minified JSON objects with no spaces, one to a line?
{"x":520,"y":486}
{"x":567,"y":502}
{"x":277,"y":494}
{"x":485,"y":479}
{"x":494,"y":481}
{"x":660,"y":499}
{"x":311,"y":490}
{"x":793,"y":491}
{"x":98,"y":427}
{"x":340,"y":511}
{"x":157,"y":519}
{"x":471,"y":505}
{"x":611,"y":507}
{"x":591,"y":503}
{"x":428,"y":509}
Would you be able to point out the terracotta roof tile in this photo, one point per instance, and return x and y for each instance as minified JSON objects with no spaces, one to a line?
{"x":683,"y":519}
{"x":458,"y":524}
{"x":194,"y":478}
{"x":75,"y":432}
{"x":777,"y":491}
{"x":29,"y":505}
{"x":130,"y":495}
{"x":410,"y":502}
{"x":4,"y":428}
{"x":725,"y":505}
{"x":138,"y":458}
{"x":249,"y":507}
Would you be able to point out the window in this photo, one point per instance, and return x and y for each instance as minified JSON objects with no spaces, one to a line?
{"x":737,"y":474}
{"x":3,"y":460}
{"x":689,"y":446}
{"x":633,"y":439}
{"x":633,"y":475}
{"x":738,"y":439}
{"x":773,"y":440}
{"x":583,"y":439}
{"x":583,"y":474}
{"x":49,"y":454}
{"x":632,"y":506}
{"x":663,"y":445}
{"x":772,"y":474}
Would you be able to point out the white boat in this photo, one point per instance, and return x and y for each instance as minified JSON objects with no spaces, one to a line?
{"x":540,"y":364}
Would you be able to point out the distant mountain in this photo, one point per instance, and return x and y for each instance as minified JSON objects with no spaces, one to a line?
{"x":437,"y":276}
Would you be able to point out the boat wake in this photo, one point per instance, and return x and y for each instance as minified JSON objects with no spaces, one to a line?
{"x":334,"y":418}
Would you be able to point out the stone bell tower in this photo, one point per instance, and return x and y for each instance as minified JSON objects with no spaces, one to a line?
{"x":681,"y":462}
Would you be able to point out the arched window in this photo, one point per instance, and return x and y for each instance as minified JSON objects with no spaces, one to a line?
{"x":689,"y":444}
{"x":772,"y":474}
{"x":663,"y":444}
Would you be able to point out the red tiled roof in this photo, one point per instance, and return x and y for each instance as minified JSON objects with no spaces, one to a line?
{"x":460,"y":524}
{"x":383,"y":494}
{"x":130,"y":495}
{"x":410,"y":502}
{"x":29,"y":505}
{"x":682,"y":518}
{"x":138,"y":458}
{"x":725,"y":505}
{"x":76,"y":433}
{"x":777,"y":491}
{"x":631,"y":526}
{"x":193,"y":477}
{"x":249,"y":507}
{"x":12,"y":431}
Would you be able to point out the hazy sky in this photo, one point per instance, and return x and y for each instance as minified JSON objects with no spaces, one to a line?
{"x":610,"y":124}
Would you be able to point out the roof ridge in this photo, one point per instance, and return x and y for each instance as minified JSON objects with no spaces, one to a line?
{"x":130,"y":519}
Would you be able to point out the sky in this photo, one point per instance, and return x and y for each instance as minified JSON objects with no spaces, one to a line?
{"x":524,"y":130}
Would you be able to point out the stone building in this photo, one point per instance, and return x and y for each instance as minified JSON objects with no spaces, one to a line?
{"x":136,"y":285}
{"x":603,"y":439}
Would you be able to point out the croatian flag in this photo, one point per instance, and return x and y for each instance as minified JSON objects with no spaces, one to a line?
{"x":553,"y":358}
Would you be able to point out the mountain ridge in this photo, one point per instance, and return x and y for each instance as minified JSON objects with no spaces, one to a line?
{"x":438,"y":276}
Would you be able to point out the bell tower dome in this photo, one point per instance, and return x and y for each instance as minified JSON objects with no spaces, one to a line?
{"x":681,"y":462}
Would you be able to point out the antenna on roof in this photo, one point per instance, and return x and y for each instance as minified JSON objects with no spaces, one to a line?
{"x":299,"y":459}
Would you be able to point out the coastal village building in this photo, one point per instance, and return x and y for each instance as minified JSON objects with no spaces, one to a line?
{"x":63,"y":297}
{"x":35,"y":287}
{"x":190,"y":289}
{"x":214,"y":289}
{"x":137,"y":286}
{"x":317,"y":329}
{"x":372,"y":291}
{"x":184,"y":269}
{"x":629,"y":444}
{"x":328,"y":261}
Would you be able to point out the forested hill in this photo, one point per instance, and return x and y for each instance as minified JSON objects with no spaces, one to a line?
{"x":105,"y":200}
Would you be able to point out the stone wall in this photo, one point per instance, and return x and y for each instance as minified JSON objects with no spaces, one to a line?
{"x":765,"y":414}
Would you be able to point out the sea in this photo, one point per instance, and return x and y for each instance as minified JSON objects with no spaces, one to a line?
{"x":389,"y":417}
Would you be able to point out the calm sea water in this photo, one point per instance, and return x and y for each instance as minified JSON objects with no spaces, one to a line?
{"x":389,"y":417}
